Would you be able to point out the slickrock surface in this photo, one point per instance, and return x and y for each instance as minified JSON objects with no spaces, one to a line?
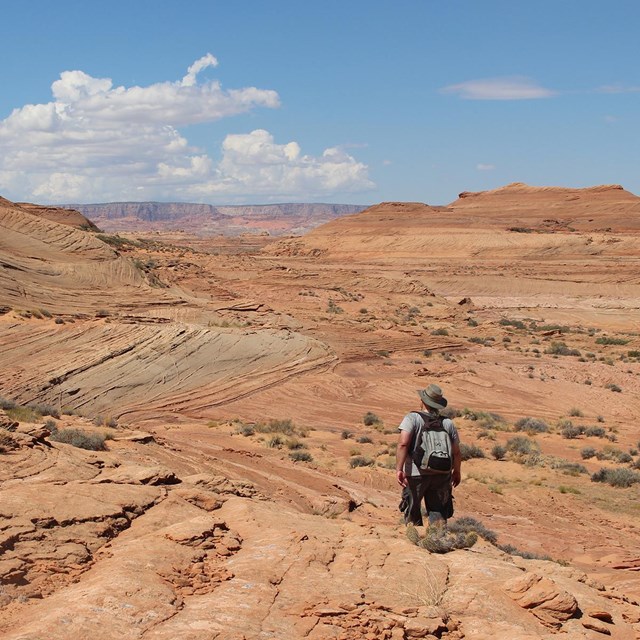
{"x":240,"y":493}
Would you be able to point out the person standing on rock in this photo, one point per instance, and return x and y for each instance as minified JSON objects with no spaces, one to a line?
{"x":428,"y":460}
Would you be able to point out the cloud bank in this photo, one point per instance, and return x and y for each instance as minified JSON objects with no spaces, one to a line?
{"x":509,"y":88}
{"x":96,"y":142}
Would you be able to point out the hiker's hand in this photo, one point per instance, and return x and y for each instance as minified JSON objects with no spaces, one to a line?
{"x":402,"y":478}
{"x":455,"y":477}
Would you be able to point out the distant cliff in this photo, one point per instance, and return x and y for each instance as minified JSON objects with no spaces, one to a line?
{"x":199,"y":219}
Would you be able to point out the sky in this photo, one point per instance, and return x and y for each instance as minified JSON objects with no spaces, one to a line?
{"x":344,"y":101}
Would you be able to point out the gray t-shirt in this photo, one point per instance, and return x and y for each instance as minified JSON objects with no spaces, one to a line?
{"x":412,"y":423}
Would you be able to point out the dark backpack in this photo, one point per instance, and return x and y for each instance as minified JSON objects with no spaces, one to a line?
{"x":432,"y":451}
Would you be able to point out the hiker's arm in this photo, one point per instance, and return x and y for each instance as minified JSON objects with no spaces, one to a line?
{"x":457,"y":464}
{"x":402,"y":451}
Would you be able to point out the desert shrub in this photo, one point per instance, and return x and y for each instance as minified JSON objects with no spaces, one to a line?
{"x":633,"y":354}
{"x":528,"y":555}
{"x":285,"y":427}
{"x":369,"y":419}
{"x":450,"y":412}
{"x":440,"y":332}
{"x":80,"y":439}
{"x":561,"y":349}
{"x":613,"y":453}
{"x":295,"y":444}
{"x":532,"y":425}
{"x":5,"y":403}
{"x":499,"y":452}
{"x":597,"y":432}
{"x":613,"y":387}
{"x":245,"y":430}
{"x":472,"y":323}
{"x":571,"y":431}
{"x":364,"y":440}
{"x":574,"y":412}
{"x":616,"y":477}
{"x":522,"y":446}
{"x":275,"y":442}
{"x":625,"y":457}
{"x":486,"y":420}
{"x":607,"y":340}
{"x":361,"y":461}
{"x":301,"y":456}
{"x":587,"y":453}
{"x":568,"y":468}
{"x":467,"y":524}
{"x":59,"y":321}
{"x":45,"y":410}
{"x":51,"y":425}
{"x":345,"y":435}
{"x":636,"y":464}
{"x":469,"y":451}
{"x":518,"y":324}
{"x":332,"y":307}
{"x":477,"y":340}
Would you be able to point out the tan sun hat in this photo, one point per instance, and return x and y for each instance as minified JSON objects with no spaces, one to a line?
{"x":432,"y":397}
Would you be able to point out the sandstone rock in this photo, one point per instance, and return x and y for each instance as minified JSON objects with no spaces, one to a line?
{"x":133,"y":474}
{"x":605,"y":616}
{"x":543,"y":598}
{"x":423,"y":627}
{"x":587,"y":624}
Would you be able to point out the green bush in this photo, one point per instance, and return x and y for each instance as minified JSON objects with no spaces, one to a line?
{"x":587,"y":453}
{"x":568,"y":468}
{"x":518,"y":324}
{"x":80,"y":439}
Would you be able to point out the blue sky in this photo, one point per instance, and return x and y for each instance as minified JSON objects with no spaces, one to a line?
{"x":348,"y":101}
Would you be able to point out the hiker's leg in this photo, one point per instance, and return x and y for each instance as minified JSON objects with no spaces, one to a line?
{"x":438,"y":498}
{"x":413,"y":514}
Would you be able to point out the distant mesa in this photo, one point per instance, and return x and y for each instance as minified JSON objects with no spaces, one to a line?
{"x":206,"y":219}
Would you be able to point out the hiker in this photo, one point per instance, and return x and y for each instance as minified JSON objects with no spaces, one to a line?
{"x":435,"y":480}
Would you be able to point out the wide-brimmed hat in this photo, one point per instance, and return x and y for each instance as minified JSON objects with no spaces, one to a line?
{"x":432,"y":397}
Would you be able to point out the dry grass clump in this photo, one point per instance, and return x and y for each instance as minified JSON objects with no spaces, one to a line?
{"x":467,"y":524}
{"x":301,"y":456}
{"x":361,"y":461}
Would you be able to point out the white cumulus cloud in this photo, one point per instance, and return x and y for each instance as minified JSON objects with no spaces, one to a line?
{"x":99,"y":142}
{"x":509,"y":88}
